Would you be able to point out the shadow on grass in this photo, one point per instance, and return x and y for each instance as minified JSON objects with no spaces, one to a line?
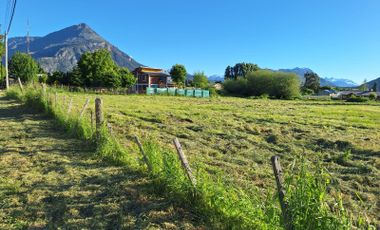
{"x":50,"y":181}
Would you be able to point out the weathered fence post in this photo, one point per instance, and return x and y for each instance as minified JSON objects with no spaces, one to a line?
{"x":20,"y":84}
{"x":84,"y":108}
{"x":109,"y":126}
{"x":98,"y":115}
{"x":277,"y":170}
{"x":92,"y":120}
{"x":55,"y":99}
{"x":143,"y":153}
{"x":69,"y":107}
{"x":184,"y":161}
{"x":44,"y":89}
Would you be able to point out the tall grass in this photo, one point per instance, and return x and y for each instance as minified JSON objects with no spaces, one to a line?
{"x":220,"y":204}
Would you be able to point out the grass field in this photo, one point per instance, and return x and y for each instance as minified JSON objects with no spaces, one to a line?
{"x":51,"y":181}
{"x":236,"y":137}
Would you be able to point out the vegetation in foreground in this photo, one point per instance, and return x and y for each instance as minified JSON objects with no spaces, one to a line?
{"x":236,"y":197}
{"x":51,"y":181}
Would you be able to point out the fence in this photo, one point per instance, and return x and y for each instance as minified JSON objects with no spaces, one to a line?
{"x":97,"y":122}
{"x":178,"y":92}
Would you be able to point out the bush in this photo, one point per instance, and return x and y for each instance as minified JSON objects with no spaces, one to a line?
{"x":236,"y":87}
{"x":354,"y":98}
{"x":372,"y":96}
{"x":261,"y":82}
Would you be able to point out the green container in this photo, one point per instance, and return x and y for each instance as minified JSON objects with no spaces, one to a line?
{"x":205,"y":93}
{"x":150,"y":91}
{"x":180,"y":92}
{"x":198,"y":93}
{"x":171,"y":91}
{"x":162,"y":91}
{"x":189,"y":93}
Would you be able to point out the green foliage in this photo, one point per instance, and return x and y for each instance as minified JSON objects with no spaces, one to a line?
{"x":43,"y":78}
{"x":354,"y":98}
{"x":178,"y":73}
{"x":239,"y":70}
{"x":372,"y":96}
{"x":127,"y":78}
{"x":307,"y":200}
{"x":97,"y":69}
{"x":200,"y":80}
{"x":312,"y":81}
{"x":23,"y":66}
{"x":2,"y":47}
{"x":275,"y":84}
{"x":2,"y":75}
{"x":236,"y":87}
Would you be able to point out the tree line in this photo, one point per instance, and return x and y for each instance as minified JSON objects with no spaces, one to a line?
{"x":94,"y":69}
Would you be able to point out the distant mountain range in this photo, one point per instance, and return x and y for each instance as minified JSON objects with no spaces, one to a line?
{"x":372,"y":83}
{"x":62,"y":49}
{"x":324,"y":81}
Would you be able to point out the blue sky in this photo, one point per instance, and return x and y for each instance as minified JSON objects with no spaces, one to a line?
{"x":335,"y":38}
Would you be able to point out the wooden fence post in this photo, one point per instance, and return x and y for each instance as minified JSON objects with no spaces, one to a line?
{"x":20,"y":84}
{"x":92,"y":120}
{"x":55,"y":99}
{"x":98,"y":115}
{"x":84,"y":108}
{"x":143,"y":153}
{"x":44,"y":89}
{"x":69,"y":107}
{"x":277,"y":170}
{"x":184,"y":161}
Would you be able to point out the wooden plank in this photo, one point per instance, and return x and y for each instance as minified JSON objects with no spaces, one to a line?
{"x":143,"y":153}
{"x":70,"y":105}
{"x":84,"y":108}
{"x":98,"y":113}
{"x":20,"y":84}
{"x":185,"y":163}
{"x":277,"y":170}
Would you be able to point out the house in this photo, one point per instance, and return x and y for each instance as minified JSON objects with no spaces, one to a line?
{"x":151,"y":77}
{"x":343,"y":95}
{"x":327,"y":92}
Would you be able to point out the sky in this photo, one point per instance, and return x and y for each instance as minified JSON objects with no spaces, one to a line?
{"x":335,"y":38}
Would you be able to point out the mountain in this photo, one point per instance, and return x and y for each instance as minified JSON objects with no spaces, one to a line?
{"x":342,"y":82}
{"x":372,"y":83}
{"x":324,"y":81}
{"x":301,"y":72}
{"x":216,"y":78}
{"x":62,"y":49}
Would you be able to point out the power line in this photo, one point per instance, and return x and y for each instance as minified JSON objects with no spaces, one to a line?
{"x":12,"y":15}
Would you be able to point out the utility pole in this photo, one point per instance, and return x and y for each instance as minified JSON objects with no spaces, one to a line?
{"x":6,"y":60}
{"x":27,"y":37}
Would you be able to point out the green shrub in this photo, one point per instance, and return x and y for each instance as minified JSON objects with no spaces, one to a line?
{"x":306,"y":195}
{"x":372,"y":96}
{"x":275,"y":84}
{"x":354,"y":98}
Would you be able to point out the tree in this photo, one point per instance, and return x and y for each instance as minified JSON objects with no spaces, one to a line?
{"x":200,"y":80}
{"x":265,"y":82}
{"x":97,"y":69}
{"x":178,"y":73}
{"x":23,"y":66}
{"x":312,"y":81}
{"x":127,"y":78}
{"x":240,"y":70}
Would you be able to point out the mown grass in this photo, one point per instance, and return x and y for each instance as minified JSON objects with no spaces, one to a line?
{"x":229,"y":142}
{"x":49,"y":180}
